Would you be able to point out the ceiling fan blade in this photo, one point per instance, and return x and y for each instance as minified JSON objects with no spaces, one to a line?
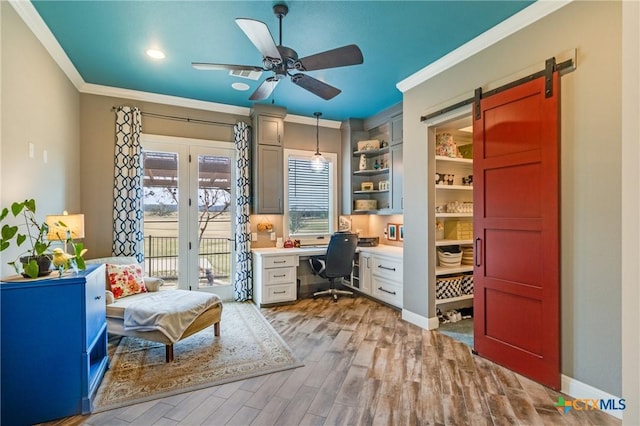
{"x":315,"y":86}
{"x":264,"y":90}
{"x":230,"y":67}
{"x":260,"y":36}
{"x":340,"y":57}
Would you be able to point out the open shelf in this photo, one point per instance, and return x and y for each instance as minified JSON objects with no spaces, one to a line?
{"x":453,"y":242}
{"x":374,"y":191}
{"x":371,"y":172}
{"x":454,"y":299}
{"x":455,"y":270}
{"x":454,"y":159}
{"x":371,"y":152}
{"x":457,"y":187}
{"x":454,"y":214}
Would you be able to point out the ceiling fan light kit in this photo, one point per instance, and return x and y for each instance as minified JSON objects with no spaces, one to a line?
{"x":283,"y":60}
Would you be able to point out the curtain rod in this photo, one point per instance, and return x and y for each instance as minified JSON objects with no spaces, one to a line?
{"x":185,"y":119}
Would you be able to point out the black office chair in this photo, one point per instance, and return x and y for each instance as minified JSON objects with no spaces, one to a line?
{"x":337,"y":263}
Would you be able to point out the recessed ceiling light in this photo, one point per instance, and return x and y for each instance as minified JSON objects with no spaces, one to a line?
{"x":240,"y":86}
{"x":155,"y":53}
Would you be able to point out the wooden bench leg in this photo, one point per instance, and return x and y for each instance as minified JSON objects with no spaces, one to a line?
{"x":168,"y":351}
{"x":216,"y":329}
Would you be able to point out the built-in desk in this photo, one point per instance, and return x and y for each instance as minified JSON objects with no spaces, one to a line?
{"x":275,"y":272}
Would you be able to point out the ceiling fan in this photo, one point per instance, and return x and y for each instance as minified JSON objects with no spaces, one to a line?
{"x":282,"y":60}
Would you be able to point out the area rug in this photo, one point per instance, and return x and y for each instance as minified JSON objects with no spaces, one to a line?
{"x":461,"y":331}
{"x":247,"y":347}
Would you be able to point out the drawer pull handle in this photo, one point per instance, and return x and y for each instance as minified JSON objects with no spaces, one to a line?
{"x":279,"y":292}
{"x":98,"y":297}
{"x":280,"y":276}
{"x":387,"y":291}
{"x":387,"y":268}
{"x":279,"y":261}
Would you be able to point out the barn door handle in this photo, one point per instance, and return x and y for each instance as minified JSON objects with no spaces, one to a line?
{"x":477,"y":250}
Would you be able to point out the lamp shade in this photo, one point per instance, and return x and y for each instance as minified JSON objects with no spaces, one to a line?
{"x":61,"y":226}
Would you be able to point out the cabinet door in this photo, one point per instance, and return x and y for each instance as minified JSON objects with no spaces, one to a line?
{"x":270,"y":130}
{"x":268,"y":184}
{"x":396,"y":130}
{"x":397,"y":173}
{"x":365,"y":273}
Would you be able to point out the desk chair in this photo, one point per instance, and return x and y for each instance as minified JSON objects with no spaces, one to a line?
{"x":337,"y":263}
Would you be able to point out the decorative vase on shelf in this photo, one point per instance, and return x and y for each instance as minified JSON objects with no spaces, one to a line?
{"x":363,"y":162}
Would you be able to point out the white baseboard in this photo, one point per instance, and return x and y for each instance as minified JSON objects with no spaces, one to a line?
{"x":576,"y":389}
{"x":419,"y":320}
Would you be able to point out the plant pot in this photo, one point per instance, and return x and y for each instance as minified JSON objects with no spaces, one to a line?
{"x":44,"y":263}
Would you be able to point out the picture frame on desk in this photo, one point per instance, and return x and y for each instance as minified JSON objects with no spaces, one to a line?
{"x":401,"y":232}
{"x":392,"y":231}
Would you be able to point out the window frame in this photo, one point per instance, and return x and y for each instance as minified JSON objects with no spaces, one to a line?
{"x":332,"y":160}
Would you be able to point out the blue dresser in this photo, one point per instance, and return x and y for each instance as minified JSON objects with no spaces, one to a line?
{"x":53,"y":346}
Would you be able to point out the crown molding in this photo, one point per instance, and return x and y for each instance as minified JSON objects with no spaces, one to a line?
{"x":520,"y":20}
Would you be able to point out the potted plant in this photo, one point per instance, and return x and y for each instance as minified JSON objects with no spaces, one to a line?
{"x":36,"y":260}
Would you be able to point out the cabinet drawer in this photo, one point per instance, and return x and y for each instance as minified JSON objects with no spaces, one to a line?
{"x":279,"y":261}
{"x":387,"y":267}
{"x":280,"y":293}
{"x":389,"y":292}
{"x":95,"y":303}
{"x":279,"y":275}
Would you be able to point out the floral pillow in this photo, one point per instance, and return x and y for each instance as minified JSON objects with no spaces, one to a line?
{"x":125,"y":280}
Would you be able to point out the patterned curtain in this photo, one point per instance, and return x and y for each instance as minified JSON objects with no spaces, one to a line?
{"x":128,"y":239}
{"x":243,"y":288}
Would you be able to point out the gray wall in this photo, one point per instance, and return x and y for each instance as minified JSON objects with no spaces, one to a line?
{"x":590,"y":176}
{"x":39,"y":106}
{"x":97,"y":126}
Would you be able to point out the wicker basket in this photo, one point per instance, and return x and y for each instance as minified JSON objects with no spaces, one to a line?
{"x":448,"y":287}
{"x":449,"y":260}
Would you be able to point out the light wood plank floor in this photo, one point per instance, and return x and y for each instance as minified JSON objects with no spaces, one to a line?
{"x":363,"y":366}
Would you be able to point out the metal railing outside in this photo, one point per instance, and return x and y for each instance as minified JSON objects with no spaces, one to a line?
{"x":161,"y":258}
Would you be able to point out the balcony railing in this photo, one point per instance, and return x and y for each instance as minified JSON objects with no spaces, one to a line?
{"x":214,"y":263}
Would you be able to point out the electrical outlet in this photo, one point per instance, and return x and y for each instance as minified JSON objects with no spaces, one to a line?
{"x":254,"y":236}
{"x":31,"y":150}
{"x":273,"y":236}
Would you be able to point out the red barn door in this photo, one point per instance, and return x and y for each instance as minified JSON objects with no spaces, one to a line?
{"x":516,"y":230}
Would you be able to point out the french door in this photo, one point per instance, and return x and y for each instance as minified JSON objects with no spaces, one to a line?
{"x":188,"y":212}
{"x":517,"y":230}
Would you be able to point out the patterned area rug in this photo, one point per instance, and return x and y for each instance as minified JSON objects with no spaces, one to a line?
{"x":247,"y":347}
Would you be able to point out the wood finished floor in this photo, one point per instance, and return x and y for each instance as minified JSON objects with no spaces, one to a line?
{"x":363,"y":366}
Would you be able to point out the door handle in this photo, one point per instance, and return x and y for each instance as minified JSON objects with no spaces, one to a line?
{"x":386,"y":267}
{"x":477,"y":251}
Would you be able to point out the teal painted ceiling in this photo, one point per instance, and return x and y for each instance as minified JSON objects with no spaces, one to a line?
{"x":106,"y":42}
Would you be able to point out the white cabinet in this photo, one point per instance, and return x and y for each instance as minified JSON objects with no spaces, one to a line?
{"x":386,"y":279}
{"x":274,"y":278}
{"x":267,"y":159}
{"x":270,"y":130}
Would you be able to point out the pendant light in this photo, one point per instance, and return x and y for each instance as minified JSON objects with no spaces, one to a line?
{"x":317,"y":164}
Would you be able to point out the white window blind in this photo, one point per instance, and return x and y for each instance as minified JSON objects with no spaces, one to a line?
{"x":310,"y":195}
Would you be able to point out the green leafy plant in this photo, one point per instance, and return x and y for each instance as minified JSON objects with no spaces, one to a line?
{"x":35,"y":234}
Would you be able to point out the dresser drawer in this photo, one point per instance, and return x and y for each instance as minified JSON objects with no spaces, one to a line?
{"x":279,"y":261}
{"x":279,"y":275}
{"x":95,"y":303}
{"x":387,"y":267}
{"x":280,"y":293}
{"x":389,"y":292}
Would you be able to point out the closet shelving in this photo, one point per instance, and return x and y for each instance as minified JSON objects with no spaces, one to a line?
{"x":444,"y":194}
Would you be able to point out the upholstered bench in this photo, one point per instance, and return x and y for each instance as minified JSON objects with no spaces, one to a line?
{"x":135,"y":315}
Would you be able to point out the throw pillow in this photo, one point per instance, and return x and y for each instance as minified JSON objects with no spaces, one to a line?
{"x":125,"y":280}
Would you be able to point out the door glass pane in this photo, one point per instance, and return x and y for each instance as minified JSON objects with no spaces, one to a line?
{"x":161,"y":199}
{"x":214,"y":221}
